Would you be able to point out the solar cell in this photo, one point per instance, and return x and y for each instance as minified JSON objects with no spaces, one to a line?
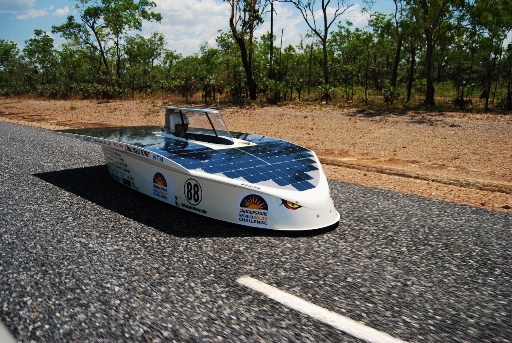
{"x":281,"y":182}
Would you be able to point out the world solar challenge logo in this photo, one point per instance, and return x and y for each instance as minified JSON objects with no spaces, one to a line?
{"x":159,"y":186}
{"x":253,"y":211}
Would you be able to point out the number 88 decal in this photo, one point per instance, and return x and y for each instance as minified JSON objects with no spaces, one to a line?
{"x":193,"y":192}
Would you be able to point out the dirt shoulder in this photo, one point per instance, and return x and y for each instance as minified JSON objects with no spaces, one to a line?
{"x":456,"y":157}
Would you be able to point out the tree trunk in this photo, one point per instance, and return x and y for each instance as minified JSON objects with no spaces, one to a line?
{"x":310,"y":61}
{"x":251,"y":83}
{"x":429,"y":66}
{"x":271,"y":50}
{"x":245,"y":56}
{"x":509,"y":89}
{"x":100,"y":48}
{"x":411,"y":72}
{"x":366,"y":76}
{"x":394,"y":73}
{"x":325,"y":64}
{"x":118,"y":60}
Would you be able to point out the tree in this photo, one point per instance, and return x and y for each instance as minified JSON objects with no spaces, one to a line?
{"x":123,"y":16}
{"x":245,"y":16}
{"x":435,"y":17}
{"x":9,"y":55}
{"x":212,"y":71}
{"x":8,"y":52}
{"x":354,"y":48}
{"x":104,"y":24}
{"x":308,"y":8}
{"x":399,"y":35}
{"x":412,"y":49}
{"x":166,"y":70}
{"x":142,"y":53}
{"x":289,"y":68}
{"x":312,"y":59}
{"x":90,"y":34}
{"x":383,"y":46}
{"x":507,"y":68}
{"x":232,"y":65}
{"x":493,"y":21}
{"x":39,"y":52}
{"x":186,"y":72}
{"x":73,"y":71}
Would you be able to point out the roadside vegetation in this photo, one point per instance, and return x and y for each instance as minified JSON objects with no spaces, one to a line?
{"x":442,"y":54}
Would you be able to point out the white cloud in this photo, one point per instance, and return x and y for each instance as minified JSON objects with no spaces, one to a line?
{"x":32,"y":13}
{"x":60,"y":12}
{"x":186,"y":25}
{"x":23,"y":8}
{"x":16,"y":6}
{"x":352,"y":14}
{"x":287,"y":23}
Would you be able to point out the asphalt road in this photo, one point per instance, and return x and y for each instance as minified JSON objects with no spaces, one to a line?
{"x":83,"y":258}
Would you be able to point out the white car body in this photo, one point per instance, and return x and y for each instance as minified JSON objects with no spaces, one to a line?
{"x":238,"y":178}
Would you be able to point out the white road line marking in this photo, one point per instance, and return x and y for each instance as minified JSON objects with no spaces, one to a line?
{"x":352,"y":327}
{"x":5,"y":335}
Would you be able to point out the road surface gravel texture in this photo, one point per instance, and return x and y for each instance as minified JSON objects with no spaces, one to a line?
{"x":83,"y":258}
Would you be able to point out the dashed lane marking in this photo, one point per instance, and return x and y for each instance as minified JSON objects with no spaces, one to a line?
{"x":5,"y":335}
{"x":345,"y":324}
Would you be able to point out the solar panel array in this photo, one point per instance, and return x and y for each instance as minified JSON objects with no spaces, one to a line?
{"x":272,"y":162}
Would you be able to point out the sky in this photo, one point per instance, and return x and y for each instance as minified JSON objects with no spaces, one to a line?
{"x":186,"y":24}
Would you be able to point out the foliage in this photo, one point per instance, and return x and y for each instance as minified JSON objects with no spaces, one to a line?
{"x":444,"y":52}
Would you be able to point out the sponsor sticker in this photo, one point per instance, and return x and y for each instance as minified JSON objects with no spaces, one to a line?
{"x":158,"y":158}
{"x":137,"y":151}
{"x":192,"y":208}
{"x":160,"y":186}
{"x":248,"y":185}
{"x":97,"y":141}
{"x":193,"y":192}
{"x":290,"y":205}
{"x":253,"y":211}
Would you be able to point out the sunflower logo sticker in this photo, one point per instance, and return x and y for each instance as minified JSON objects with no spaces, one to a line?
{"x":159,"y":179}
{"x":254,"y":202}
{"x":253,"y":211}
{"x":159,"y":186}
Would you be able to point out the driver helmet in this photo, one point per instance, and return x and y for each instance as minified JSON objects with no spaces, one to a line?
{"x":176,"y":119}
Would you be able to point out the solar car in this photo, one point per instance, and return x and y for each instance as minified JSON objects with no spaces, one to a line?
{"x":193,"y":162}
